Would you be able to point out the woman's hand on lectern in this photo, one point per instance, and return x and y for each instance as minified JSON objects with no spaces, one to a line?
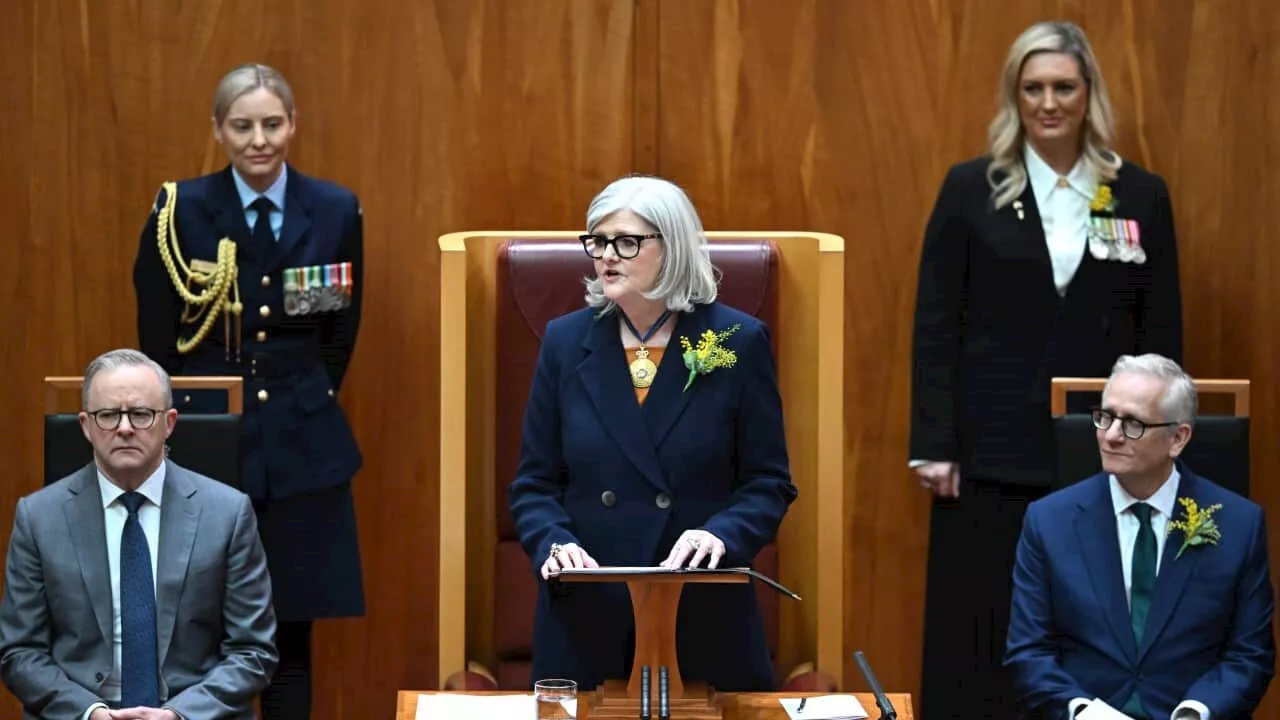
{"x":696,"y":544}
{"x":566,"y":556}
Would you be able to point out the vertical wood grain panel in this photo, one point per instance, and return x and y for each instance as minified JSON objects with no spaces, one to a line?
{"x":843,"y":117}
{"x":442,"y":115}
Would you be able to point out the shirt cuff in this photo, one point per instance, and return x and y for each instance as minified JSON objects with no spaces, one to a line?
{"x":917,"y":463}
{"x":1075,"y":705}
{"x":95,"y":706}
{"x":1191,"y":709}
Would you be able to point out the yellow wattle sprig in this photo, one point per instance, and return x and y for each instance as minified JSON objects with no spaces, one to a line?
{"x":1197,"y":525}
{"x":710,"y":354}
{"x":1102,"y":199}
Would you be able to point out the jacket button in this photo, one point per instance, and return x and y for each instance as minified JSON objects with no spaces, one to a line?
{"x":266,"y":281}
{"x":663,"y":501}
{"x":97,"y":677}
{"x":608,"y":499}
{"x":264,"y":311}
{"x":262,"y":396}
{"x":262,"y":336}
{"x":330,"y":392}
{"x":186,"y":398}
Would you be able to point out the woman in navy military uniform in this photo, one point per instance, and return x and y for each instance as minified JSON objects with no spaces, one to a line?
{"x":255,"y":271}
{"x":630,"y":457}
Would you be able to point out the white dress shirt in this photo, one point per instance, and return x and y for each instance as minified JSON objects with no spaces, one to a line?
{"x":114,"y":516}
{"x":1162,"y":502}
{"x":1063,"y":202}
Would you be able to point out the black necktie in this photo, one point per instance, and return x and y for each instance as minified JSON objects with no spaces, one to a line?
{"x":262,"y":235}
{"x":139,"y":671}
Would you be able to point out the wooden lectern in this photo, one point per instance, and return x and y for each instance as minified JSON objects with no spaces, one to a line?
{"x":655,"y":601}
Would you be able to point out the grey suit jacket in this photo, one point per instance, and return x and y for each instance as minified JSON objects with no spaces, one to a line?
{"x":214,"y":621}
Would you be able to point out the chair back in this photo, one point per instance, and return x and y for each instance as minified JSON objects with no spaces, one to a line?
{"x":208,"y":444}
{"x":538,"y":280}
{"x":1219,"y":447}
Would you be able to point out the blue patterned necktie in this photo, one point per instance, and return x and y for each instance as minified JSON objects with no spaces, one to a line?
{"x":140,"y":673}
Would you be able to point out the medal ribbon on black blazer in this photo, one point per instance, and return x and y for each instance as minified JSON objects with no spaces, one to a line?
{"x":642,"y":368}
{"x":139,"y":667}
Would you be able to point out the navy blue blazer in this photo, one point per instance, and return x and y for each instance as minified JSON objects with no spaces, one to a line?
{"x":625,"y":480}
{"x":296,"y":438}
{"x":991,"y":330}
{"x":1208,"y":636}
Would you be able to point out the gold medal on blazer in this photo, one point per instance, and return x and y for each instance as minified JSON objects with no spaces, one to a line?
{"x":318,"y":288}
{"x":1110,"y":237}
{"x":642,"y":369}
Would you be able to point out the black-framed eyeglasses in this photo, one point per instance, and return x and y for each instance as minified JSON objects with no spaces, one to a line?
{"x":626,"y":246}
{"x":140,"y":418}
{"x":1133,"y":428}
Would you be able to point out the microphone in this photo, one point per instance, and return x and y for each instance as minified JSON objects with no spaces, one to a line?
{"x":664,"y":700}
{"x":645,"y":689}
{"x":886,"y":708}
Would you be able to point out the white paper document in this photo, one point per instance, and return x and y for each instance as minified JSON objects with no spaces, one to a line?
{"x":449,"y":705}
{"x":1099,"y":710}
{"x":824,"y":707}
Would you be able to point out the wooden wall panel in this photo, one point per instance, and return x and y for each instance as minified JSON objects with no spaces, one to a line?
{"x":442,"y":115}
{"x":844,"y":116}
{"x":829,"y":115}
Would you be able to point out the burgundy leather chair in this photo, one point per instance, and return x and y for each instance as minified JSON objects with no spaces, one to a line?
{"x":538,"y":281}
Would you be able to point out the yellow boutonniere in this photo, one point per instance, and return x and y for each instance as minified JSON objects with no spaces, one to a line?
{"x":1197,"y":526}
{"x":1102,"y":200}
{"x":709,"y":355}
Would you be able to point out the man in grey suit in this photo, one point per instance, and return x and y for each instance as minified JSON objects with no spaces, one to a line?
{"x":135,"y":589}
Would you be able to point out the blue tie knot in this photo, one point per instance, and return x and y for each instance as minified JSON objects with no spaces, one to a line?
{"x":132,"y":501}
{"x":263,"y":205}
{"x":1142,"y":511}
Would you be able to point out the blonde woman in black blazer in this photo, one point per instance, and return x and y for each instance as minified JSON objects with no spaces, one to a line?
{"x":1049,"y":256}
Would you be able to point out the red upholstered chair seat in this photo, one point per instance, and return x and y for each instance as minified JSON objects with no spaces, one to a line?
{"x":538,"y":281}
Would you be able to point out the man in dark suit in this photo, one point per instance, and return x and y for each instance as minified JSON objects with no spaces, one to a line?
{"x":135,"y":589}
{"x":1145,"y":586}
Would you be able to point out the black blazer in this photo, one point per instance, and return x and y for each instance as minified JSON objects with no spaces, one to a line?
{"x":296,"y":438}
{"x":991,"y":329}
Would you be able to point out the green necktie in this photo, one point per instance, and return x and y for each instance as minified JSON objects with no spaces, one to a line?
{"x":1144,"y":570}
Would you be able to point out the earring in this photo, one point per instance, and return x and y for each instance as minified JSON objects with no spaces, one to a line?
{"x":1017,"y":206}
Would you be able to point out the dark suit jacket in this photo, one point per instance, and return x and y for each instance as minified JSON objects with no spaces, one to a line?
{"x":1208,"y":636}
{"x":991,"y":330}
{"x":712,"y":457}
{"x":297,"y":441}
{"x":214,"y":620}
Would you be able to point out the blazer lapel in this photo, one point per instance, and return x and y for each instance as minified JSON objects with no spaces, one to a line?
{"x":297,"y":213}
{"x":179,"y":518}
{"x":1172,"y":576}
{"x":1100,"y":546}
{"x":88,"y":531}
{"x":1031,"y":231}
{"x":604,"y":375}
{"x":667,"y":398}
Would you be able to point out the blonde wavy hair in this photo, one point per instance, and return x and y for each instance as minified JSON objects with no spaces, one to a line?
{"x":1006,"y":173}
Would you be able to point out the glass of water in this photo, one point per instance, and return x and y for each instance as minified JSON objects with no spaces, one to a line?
{"x":557,"y":699}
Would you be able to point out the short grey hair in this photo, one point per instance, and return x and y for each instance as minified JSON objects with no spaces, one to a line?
{"x":124,"y":357}
{"x":687,"y":277}
{"x":1180,"y":402}
{"x":243,"y":80}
